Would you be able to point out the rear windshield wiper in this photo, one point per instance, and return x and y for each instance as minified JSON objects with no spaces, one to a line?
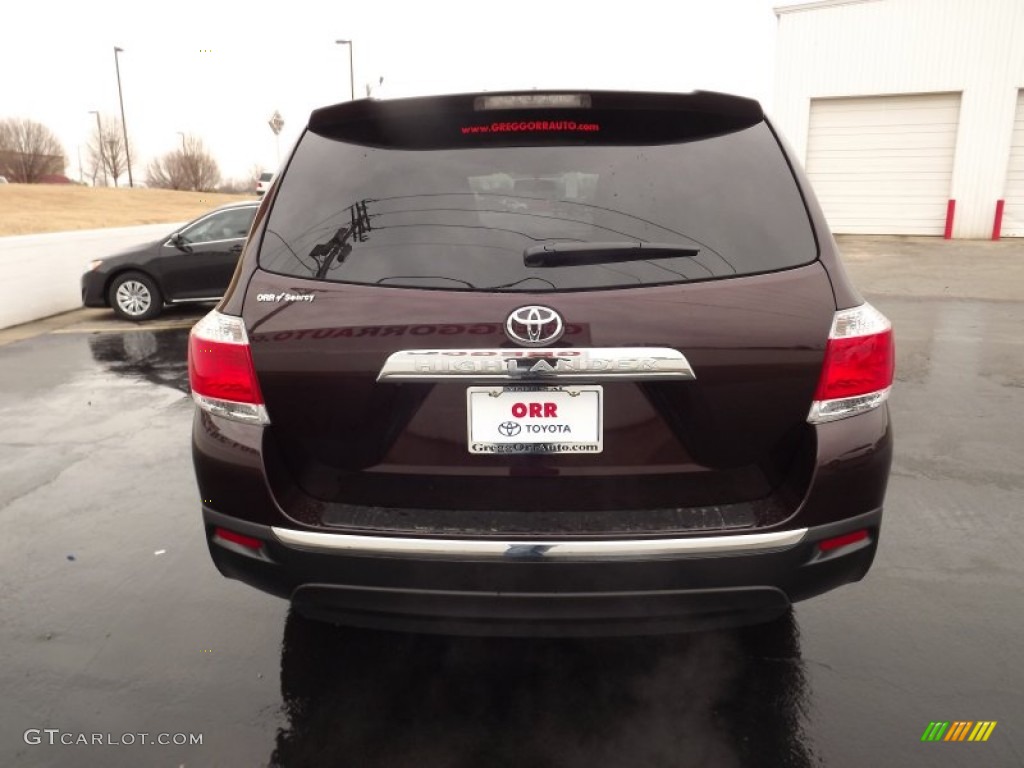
{"x":587,"y":254}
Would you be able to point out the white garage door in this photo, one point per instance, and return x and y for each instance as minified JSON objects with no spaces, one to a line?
{"x":883,"y":164}
{"x":1013,"y":213}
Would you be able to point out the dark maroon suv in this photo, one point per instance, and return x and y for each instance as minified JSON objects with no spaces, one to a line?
{"x":542,"y":364}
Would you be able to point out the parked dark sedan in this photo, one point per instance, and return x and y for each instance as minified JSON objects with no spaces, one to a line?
{"x":194,"y":263}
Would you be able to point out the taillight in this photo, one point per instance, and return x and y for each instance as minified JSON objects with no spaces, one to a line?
{"x":859,"y":365}
{"x":220,"y":370}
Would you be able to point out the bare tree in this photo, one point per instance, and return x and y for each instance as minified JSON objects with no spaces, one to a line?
{"x":201,"y":169}
{"x":106,"y":150}
{"x":165,"y":172}
{"x":191,"y":167}
{"x":29,"y":151}
{"x":93,"y":169}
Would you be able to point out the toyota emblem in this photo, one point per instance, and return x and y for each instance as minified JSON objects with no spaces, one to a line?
{"x":534,"y":326}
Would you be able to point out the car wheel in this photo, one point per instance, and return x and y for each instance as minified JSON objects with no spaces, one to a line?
{"x":134,"y":296}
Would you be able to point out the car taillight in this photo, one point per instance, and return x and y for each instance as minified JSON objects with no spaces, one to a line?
{"x":859,"y":365}
{"x":220,"y":370}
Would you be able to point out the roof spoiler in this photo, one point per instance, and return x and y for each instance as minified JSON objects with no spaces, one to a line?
{"x":710,"y":102}
{"x":441,"y":121}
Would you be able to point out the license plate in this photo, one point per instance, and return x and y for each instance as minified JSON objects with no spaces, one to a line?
{"x":530,"y":419}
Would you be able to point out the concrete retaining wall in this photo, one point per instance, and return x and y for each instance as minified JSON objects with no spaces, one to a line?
{"x":40,"y":274}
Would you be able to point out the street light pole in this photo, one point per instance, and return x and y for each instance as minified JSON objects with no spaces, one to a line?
{"x":124,"y":126}
{"x":351,"y":69}
{"x":99,"y":143}
{"x":182,"y":134}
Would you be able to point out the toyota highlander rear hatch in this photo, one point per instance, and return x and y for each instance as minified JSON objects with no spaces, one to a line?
{"x":550,"y":313}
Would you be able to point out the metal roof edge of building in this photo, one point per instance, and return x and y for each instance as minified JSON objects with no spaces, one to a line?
{"x":816,"y":5}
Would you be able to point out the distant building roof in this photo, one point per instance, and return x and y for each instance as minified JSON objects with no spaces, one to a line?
{"x":54,"y":178}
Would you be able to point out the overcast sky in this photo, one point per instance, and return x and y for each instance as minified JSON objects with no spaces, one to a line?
{"x":219,"y":69}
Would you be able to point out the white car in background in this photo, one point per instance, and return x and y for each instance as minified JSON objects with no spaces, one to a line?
{"x":263,"y":182}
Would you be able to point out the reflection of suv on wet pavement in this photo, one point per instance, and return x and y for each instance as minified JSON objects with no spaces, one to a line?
{"x":542,"y":363}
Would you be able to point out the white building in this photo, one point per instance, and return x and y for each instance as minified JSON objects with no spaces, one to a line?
{"x":907,"y":114}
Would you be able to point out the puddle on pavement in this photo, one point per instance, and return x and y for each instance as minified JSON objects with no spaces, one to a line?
{"x":160,"y":357}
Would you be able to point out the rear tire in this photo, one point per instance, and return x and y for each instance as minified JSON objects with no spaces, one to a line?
{"x":135,"y":296}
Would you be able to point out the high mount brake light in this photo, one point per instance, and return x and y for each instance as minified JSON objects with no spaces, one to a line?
{"x":532,"y":101}
{"x":857,"y":373}
{"x":220,"y":370}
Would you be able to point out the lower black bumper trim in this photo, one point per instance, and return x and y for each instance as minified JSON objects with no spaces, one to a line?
{"x":540,"y":614}
{"x":538,"y":597}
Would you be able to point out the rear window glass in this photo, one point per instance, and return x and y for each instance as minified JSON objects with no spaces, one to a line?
{"x":462,"y":217}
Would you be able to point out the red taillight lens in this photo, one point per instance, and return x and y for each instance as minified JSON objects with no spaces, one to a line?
{"x":842,"y":541}
{"x":221,"y":372}
{"x":856,"y":366}
{"x":237,"y":538}
{"x":859,"y":365}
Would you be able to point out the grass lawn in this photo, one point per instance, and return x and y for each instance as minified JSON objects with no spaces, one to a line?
{"x":32,"y":208}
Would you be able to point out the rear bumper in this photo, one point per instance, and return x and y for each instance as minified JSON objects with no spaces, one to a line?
{"x":485,"y":587}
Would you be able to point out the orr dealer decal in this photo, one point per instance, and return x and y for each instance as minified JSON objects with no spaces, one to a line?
{"x":275,"y":297}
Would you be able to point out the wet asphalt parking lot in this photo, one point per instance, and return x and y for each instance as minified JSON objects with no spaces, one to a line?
{"x":116,"y":623}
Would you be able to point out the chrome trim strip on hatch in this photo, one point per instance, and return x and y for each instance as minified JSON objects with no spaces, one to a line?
{"x":546,"y":550}
{"x":548,"y":364}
